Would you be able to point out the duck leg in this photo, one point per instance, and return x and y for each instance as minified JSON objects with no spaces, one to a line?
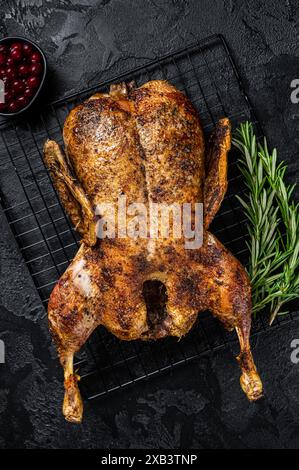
{"x":73,"y":315}
{"x":250,"y":381}
{"x":72,"y":404}
{"x":211,"y":278}
{"x":229,"y":299}
{"x":102,"y":286}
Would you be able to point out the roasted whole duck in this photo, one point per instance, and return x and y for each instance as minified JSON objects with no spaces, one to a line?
{"x":146,"y":143}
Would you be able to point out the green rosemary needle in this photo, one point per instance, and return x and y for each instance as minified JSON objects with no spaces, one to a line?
{"x":273,"y":224}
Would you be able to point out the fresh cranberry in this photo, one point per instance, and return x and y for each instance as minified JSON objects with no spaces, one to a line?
{"x":5,"y":79}
{"x":33,"y":82}
{"x":27,"y":49}
{"x":35,"y":57}
{"x":13,"y":107}
{"x":10,"y":61}
{"x":22,"y":101}
{"x":8,"y":96}
{"x":15,"y":45}
{"x":3,"y":49}
{"x":17,"y":86}
{"x":16,"y":55}
{"x":11,"y":72}
{"x":28,"y":93}
{"x":36,"y":69}
{"x":23,"y":70}
{"x":2,"y":58}
{"x":2,"y":107}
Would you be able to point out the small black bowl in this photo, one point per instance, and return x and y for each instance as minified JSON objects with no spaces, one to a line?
{"x":21,"y":39}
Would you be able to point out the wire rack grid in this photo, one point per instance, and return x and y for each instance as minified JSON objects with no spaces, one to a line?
{"x":206,"y":73}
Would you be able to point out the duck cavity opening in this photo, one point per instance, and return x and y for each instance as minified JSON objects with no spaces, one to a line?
{"x":155,"y":297}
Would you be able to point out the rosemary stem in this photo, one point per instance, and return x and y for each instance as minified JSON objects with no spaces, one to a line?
{"x":273,"y":224}
{"x":275,"y":312}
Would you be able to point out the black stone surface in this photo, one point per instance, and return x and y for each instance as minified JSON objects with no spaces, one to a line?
{"x":199,"y":405}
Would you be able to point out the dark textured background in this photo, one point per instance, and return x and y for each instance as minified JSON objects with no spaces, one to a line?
{"x":199,"y":405}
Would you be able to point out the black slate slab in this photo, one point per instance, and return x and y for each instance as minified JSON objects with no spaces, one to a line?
{"x":200,"y":405}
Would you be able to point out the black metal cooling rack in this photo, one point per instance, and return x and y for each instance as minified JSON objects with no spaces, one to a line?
{"x":207,"y":74}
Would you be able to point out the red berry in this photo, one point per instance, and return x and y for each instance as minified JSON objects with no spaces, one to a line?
{"x":2,"y":58}
{"x":2,"y":72}
{"x":15,"y":45}
{"x":28,"y":93}
{"x":3,"y":49}
{"x":36,"y":69}
{"x":13,"y":107}
{"x":11,"y":72}
{"x":16,"y":55}
{"x":2,"y":107}
{"x":27,"y":49}
{"x":21,"y":101}
{"x":33,"y":82}
{"x":5,"y":79}
{"x":35,"y":57}
{"x":23,"y":70}
{"x":17,"y":86}
{"x":7,"y":96}
{"x":10,"y":61}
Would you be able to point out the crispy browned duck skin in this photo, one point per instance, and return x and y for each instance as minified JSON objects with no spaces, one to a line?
{"x":73,"y":198}
{"x":216,"y":170}
{"x":147,"y":144}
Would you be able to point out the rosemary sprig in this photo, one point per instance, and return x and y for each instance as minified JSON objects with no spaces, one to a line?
{"x":273,"y":224}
